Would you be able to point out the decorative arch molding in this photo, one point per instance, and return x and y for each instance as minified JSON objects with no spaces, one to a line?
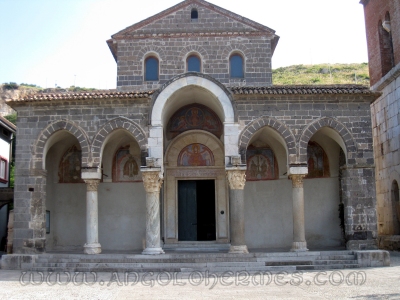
{"x":194,"y":49}
{"x":191,"y":137}
{"x":196,"y":79}
{"x":332,"y":123}
{"x":38,"y":150}
{"x":118,"y":123}
{"x":238,"y":48}
{"x":142,"y":54}
{"x":248,"y":132}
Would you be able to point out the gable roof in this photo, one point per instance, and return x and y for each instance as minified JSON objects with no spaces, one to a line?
{"x":183,"y":4}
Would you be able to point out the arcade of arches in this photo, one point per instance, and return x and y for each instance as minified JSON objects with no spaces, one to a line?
{"x":196,"y":205}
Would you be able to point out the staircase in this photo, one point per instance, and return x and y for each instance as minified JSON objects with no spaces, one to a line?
{"x":185,"y":262}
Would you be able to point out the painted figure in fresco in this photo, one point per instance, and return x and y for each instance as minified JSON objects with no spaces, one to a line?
{"x":195,"y":158}
{"x":253,"y":169}
{"x":264,"y":168}
{"x":194,"y":117}
{"x":70,"y":166}
{"x":209,"y":122}
{"x":260,"y":164}
{"x":180,"y":124}
{"x":131,"y":168}
{"x":196,"y":155}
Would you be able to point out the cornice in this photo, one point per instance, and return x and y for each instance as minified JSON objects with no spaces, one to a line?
{"x":139,"y":36}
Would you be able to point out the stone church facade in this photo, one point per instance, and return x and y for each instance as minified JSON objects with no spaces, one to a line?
{"x":196,"y":149}
{"x":382,"y":20}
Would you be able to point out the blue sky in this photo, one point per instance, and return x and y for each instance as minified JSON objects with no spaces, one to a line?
{"x":48,"y":42}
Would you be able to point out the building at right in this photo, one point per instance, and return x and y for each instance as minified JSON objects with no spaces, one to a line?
{"x":382,"y":21}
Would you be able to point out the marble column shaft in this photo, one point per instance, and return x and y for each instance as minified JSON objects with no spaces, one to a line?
{"x":237,"y":179}
{"x":299,"y":236}
{"x":152,"y":184}
{"x":92,"y":245}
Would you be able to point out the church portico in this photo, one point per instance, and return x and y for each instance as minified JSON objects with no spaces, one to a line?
{"x":196,"y":147}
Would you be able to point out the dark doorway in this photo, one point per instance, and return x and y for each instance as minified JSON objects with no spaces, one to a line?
{"x":196,"y":210}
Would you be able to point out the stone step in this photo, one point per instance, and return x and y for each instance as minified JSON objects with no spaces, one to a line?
{"x":146,"y":260}
{"x":327,"y":267}
{"x":239,"y":269}
{"x":305,"y":254}
{"x":289,"y":263}
{"x":149,"y":265}
{"x":335,"y":262}
{"x":122,"y":268}
{"x":337,"y":257}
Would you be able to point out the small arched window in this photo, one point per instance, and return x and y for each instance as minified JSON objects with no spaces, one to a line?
{"x":194,"y":15}
{"x":386,"y":45}
{"x":236,"y":66}
{"x":151,"y":69}
{"x":193,"y":64}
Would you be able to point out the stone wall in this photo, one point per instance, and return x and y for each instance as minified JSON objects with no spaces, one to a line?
{"x":172,"y":35}
{"x":296,"y":118}
{"x":386,"y":134}
{"x":375,"y":11}
{"x":214,"y":53}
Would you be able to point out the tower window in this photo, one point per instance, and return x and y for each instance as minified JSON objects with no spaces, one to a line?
{"x":193,"y":64}
{"x":151,"y":69}
{"x":194,"y":15}
{"x":386,"y":45}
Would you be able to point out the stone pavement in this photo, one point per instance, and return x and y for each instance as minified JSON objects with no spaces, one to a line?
{"x":371,"y":283}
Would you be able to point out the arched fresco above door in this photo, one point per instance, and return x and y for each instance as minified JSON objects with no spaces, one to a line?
{"x":196,"y":155}
{"x":194,"y":116}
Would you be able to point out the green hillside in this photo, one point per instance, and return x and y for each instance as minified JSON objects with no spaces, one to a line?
{"x":322,"y":74}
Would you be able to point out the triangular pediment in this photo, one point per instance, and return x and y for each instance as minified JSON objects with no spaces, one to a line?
{"x":177,"y":20}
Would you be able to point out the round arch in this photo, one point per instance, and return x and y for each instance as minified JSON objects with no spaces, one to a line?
{"x":104,"y":133}
{"x":47,"y":138}
{"x":336,"y":130}
{"x":191,"y":137}
{"x":254,"y":126}
{"x":221,"y":94}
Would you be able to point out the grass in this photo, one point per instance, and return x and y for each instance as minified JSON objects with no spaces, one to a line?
{"x":322,"y":74}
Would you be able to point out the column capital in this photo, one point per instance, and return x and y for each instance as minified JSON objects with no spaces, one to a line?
{"x":297,"y":180}
{"x":236,"y":177}
{"x":152,"y":180}
{"x":92,"y":184}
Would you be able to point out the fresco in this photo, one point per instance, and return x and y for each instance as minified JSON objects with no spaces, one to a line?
{"x":318,"y":165}
{"x":191,"y":117}
{"x":69,"y":170}
{"x":261,"y":164}
{"x":196,"y":155}
{"x":126,"y":167}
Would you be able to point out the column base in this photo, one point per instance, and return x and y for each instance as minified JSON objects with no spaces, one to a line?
{"x":92,"y":248}
{"x":153,"y":251}
{"x":299,"y":247}
{"x":239,"y":249}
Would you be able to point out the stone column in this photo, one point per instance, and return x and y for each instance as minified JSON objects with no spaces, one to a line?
{"x":299,"y":236}
{"x":152,"y":184}
{"x":92,"y":245}
{"x":237,"y":179}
